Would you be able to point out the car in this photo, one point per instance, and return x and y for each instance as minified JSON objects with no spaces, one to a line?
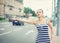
{"x":17,"y":23}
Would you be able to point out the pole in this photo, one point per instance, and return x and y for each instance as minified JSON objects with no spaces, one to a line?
{"x":58,"y":17}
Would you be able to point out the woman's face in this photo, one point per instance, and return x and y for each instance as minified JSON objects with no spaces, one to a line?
{"x":39,"y":13}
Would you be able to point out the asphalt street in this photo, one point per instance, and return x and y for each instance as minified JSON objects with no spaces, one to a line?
{"x":19,"y":34}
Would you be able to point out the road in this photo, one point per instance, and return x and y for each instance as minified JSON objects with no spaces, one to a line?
{"x":19,"y":34}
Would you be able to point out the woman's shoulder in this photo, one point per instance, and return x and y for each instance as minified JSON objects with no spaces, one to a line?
{"x":47,"y":20}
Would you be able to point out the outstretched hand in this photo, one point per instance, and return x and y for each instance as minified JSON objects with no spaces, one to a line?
{"x":16,"y":18}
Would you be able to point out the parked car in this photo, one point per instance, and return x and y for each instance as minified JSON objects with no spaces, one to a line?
{"x":17,"y":23}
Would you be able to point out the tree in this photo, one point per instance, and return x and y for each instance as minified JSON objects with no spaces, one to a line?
{"x":27,"y":11}
{"x":34,"y":14}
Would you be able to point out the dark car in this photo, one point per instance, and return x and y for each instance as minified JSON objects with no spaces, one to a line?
{"x":17,"y":23}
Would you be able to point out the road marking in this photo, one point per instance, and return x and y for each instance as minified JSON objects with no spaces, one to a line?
{"x":10,"y":32}
{"x":29,"y":32}
{"x":2,"y":28}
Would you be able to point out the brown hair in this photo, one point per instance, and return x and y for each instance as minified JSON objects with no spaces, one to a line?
{"x":41,"y":10}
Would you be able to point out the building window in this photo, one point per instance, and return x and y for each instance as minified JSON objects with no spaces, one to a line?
{"x":10,"y":8}
{"x":20,"y":9}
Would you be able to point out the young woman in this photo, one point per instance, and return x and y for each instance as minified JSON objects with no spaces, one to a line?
{"x":42,"y":27}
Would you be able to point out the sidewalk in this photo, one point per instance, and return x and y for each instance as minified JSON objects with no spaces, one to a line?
{"x":57,"y":39}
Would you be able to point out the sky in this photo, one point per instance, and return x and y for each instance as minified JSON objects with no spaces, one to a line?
{"x":46,"y":5}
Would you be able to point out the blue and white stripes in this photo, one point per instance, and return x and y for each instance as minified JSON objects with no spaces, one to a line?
{"x":43,"y":36}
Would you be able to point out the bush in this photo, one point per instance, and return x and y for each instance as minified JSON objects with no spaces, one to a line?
{"x":2,"y":18}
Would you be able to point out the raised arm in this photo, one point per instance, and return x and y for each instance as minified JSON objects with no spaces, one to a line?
{"x":26,"y":20}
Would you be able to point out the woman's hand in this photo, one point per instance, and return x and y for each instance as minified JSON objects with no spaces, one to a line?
{"x":52,"y":37}
{"x":16,"y":18}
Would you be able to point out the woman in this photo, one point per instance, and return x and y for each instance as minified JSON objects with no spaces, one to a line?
{"x":42,"y":27}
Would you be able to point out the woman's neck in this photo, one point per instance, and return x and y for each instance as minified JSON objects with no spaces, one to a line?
{"x":40,"y":18}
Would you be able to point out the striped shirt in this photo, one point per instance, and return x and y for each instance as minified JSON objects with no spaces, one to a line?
{"x":43,"y":35}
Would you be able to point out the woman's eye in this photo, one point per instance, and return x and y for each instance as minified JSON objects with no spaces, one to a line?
{"x":38,"y":12}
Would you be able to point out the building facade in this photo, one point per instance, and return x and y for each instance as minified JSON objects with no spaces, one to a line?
{"x":1,"y":7}
{"x":11,"y":7}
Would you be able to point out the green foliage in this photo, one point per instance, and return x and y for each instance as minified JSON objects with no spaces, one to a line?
{"x":2,"y":18}
{"x":29,"y":10}
{"x":34,"y":14}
